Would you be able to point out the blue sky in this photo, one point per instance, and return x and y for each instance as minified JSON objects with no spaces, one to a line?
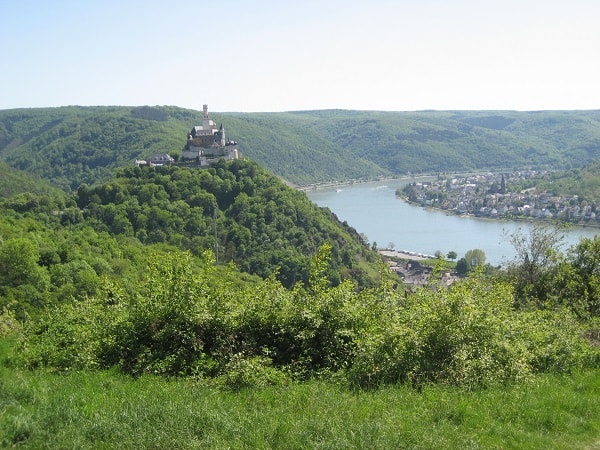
{"x":265,"y":55}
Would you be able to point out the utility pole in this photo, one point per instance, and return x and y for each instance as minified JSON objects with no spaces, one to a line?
{"x":215,"y":232}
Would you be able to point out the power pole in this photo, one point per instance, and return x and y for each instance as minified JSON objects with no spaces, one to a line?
{"x":215,"y":233}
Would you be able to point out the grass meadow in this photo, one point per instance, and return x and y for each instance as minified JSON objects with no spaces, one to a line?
{"x":105,"y":409}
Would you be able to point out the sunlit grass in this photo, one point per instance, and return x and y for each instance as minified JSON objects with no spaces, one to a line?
{"x":108,"y":410}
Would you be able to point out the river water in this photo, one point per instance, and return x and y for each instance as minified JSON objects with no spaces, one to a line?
{"x":374,"y":210}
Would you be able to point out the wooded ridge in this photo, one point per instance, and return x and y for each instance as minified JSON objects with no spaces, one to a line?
{"x":73,"y":145}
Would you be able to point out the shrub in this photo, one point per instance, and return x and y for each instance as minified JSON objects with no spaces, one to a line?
{"x":554,"y":341}
{"x":255,"y":371}
{"x":66,"y":337}
{"x":9,"y":325}
{"x":186,"y":321}
{"x":468,"y":335}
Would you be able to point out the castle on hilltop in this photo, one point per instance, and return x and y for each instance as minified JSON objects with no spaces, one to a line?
{"x":206,"y":143}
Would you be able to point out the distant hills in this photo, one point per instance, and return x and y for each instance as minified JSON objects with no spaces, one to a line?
{"x":72,"y":145}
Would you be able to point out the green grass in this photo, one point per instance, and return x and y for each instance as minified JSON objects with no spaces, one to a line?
{"x":107,"y":410}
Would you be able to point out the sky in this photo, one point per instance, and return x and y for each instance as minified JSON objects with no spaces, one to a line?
{"x":283,"y":55}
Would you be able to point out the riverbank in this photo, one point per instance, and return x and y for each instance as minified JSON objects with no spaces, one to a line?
{"x":487,"y":196}
{"x":405,"y":254}
{"x":342,"y":184}
{"x":421,"y":176}
{"x":336,"y":184}
{"x":503,"y":219}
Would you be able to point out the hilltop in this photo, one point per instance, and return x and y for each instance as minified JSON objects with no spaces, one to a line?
{"x":73,"y":145}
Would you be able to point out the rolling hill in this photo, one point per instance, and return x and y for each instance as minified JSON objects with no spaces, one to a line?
{"x":73,"y":145}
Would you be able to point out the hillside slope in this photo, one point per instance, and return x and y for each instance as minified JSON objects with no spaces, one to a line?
{"x":237,"y":209}
{"x":74,"y":145}
{"x":257,"y":221}
{"x":437,"y":141}
{"x":14,"y":182}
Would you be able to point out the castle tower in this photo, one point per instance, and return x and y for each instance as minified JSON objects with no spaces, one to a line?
{"x":222,"y":133}
{"x":205,"y":118}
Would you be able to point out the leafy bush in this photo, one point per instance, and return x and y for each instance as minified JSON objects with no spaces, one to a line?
{"x":68,"y":336}
{"x":242,"y":372}
{"x":468,"y":336}
{"x":554,"y":341}
{"x":185,"y":321}
{"x":9,"y":325}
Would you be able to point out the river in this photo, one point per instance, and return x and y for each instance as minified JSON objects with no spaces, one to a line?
{"x":374,"y":210}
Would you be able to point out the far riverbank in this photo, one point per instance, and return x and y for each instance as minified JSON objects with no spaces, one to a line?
{"x":514,"y":219}
{"x":345,"y":183}
{"x":487,"y":196}
{"x":342,"y":184}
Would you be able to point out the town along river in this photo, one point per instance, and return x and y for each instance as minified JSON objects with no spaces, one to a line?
{"x":374,"y":210}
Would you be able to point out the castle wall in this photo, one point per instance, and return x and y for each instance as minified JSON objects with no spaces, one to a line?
{"x":193,"y":152}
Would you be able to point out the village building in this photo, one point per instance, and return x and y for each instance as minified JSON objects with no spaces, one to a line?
{"x":161,"y":159}
{"x":487,"y":195}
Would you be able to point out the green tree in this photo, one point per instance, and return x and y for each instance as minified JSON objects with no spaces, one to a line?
{"x":576,"y":282}
{"x":452,"y":255}
{"x":18,"y":261}
{"x":462,"y":266}
{"x":319,"y":267}
{"x":475,"y":258}
{"x":537,"y":254}
{"x":21,"y":278}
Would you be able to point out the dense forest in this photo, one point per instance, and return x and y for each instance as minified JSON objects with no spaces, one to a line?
{"x":73,"y":145}
{"x":259,"y":223}
{"x":17,"y":182}
{"x":246,"y":216}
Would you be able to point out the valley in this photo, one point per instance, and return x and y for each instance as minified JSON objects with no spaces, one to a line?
{"x":190,"y":290}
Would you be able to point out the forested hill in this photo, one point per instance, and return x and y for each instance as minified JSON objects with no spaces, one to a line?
{"x":72,"y":145}
{"x":260,"y":225}
{"x":439,"y":141}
